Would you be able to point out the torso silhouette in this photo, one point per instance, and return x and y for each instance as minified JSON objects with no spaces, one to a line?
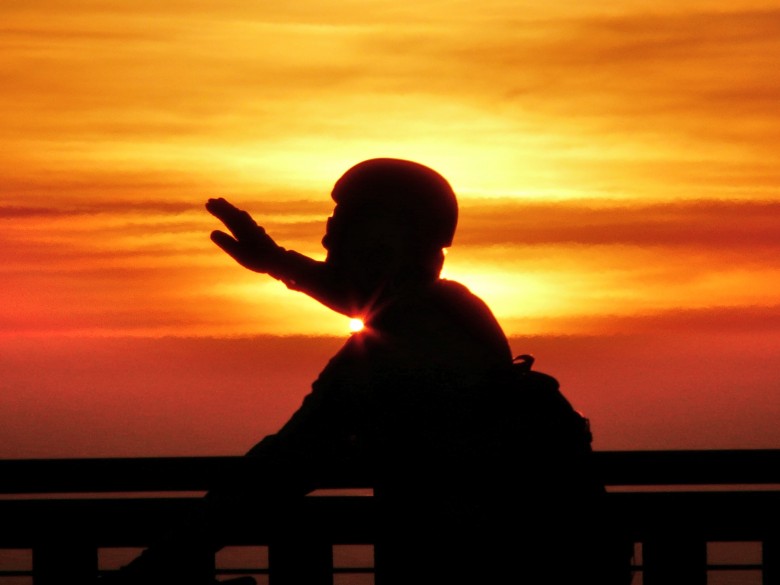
{"x":398,"y":400}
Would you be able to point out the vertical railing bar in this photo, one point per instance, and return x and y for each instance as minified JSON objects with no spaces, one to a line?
{"x":62,"y":560}
{"x":770,"y":557}
{"x":293,"y":561}
{"x":674,"y":560}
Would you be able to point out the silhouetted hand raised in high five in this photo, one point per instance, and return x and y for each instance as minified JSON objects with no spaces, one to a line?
{"x":249,"y":245}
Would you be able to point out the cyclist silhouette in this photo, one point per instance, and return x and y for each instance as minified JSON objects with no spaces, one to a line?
{"x":407,"y":399}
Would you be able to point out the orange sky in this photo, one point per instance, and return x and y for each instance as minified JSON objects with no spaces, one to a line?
{"x":616,"y":162}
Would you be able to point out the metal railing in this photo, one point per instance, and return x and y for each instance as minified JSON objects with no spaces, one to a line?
{"x":678,"y":503}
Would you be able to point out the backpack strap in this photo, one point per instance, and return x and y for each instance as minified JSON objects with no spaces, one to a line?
{"x":524,"y":361}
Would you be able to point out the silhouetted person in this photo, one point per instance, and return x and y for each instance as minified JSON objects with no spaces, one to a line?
{"x":414,"y":398}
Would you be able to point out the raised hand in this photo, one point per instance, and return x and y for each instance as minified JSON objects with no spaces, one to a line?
{"x":249,"y":245}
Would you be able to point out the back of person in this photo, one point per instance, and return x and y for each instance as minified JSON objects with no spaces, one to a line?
{"x":429,"y":356}
{"x":477,"y":484}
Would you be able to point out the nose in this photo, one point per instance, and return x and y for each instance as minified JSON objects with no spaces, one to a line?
{"x":326,"y":239}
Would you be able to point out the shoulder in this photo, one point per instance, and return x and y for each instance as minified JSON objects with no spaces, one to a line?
{"x":447,"y":322}
{"x":458,"y":299}
{"x":471,"y":315}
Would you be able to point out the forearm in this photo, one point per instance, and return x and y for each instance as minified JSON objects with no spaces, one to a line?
{"x":309,"y":276}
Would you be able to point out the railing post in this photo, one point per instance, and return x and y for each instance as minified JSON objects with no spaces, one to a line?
{"x":60,"y":561}
{"x":300,"y":561}
{"x":770,"y":553}
{"x":674,"y":561}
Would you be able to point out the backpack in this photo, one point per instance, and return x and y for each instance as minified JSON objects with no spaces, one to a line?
{"x":566,"y":496}
{"x":551,"y":425}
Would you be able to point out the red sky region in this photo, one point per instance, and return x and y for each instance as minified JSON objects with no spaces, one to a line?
{"x":83,"y":397}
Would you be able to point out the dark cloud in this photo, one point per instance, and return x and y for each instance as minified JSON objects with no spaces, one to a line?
{"x":16,"y":212}
{"x":758,"y":321}
{"x":58,"y":34}
{"x":112,"y":207}
{"x":161,"y":207}
{"x":712,"y":224}
{"x":96,"y":186}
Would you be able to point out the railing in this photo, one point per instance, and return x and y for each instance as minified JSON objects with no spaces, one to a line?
{"x":680,"y":505}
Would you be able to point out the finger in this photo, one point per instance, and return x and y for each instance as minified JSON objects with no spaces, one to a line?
{"x":239,"y":222}
{"x":228,"y":244}
{"x":223,"y":210}
{"x":216,"y":205}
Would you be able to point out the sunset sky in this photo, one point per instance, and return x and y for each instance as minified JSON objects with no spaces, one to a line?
{"x":617,"y":165}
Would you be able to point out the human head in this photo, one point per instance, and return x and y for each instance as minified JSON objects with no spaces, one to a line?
{"x":392,"y":219}
{"x":417,"y":199}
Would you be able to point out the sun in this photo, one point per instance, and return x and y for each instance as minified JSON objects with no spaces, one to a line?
{"x":356,"y":325}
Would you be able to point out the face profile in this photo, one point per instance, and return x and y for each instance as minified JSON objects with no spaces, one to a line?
{"x":392,"y":219}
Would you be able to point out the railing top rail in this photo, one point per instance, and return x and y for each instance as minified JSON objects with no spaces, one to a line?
{"x":128,"y":474}
{"x":160,"y":474}
{"x":687,"y":467}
